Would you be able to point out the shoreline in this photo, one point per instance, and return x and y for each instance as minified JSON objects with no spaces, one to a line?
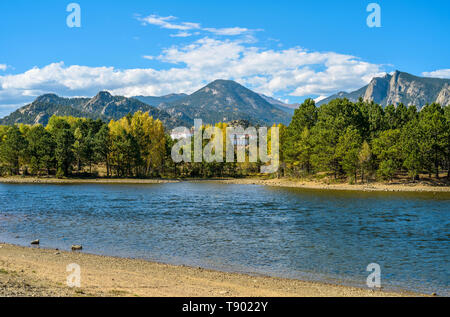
{"x":69,"y":181}
{"x":307,"y":184}
{"x":284,"y":182}
{"x":26,"y":271}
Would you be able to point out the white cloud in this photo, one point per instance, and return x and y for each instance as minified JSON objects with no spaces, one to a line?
{"x":440,"y":73}
{"x":3,"y":67}
{"x":183,"y":27}
{"x":294,"y":71}
{"x":181,"y":34}
{"x":164,"y":22}
{"x":227,"y":31}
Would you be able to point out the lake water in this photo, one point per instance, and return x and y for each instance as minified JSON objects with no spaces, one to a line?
{"x":327,"y":236}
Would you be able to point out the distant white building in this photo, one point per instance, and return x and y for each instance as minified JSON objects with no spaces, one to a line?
{"x":181,"y":135}
{"x":242,"y":139}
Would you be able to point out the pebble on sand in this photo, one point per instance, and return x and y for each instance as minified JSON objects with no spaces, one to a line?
{"x":35,"y":242}
{"x":77,"y":247}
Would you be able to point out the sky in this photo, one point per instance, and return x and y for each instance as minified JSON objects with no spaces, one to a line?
{"x":290,"y":50}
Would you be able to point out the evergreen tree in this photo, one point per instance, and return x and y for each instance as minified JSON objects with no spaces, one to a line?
{"x":433,"y":126}
{"x":64,"y":139}
{"x":347,"y":150}
{"x":12,"y":149}
{"x":365,"y":160}
{"x":40,"y":150}
{"x":387,"y":149}
{"x":102,"y":147}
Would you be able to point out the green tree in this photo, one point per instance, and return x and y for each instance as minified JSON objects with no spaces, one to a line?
{"x":304,"y":117}
{"x":333,"y":120}
{"x":390,"y":118}
{"x":102,"y":147}
{"x":41,"y":149}
{"x":387,"y":169}
{"x":447,"y":140}
{"x":64,"y":139}
{"x":125,"y":152}
{"x":373,"y":115}
{"x":365,"y":160}
{"x":305,"y":151}
{"x":12,"y":149}
{"x":294,"y":138}
{"x":347,"y":150}
{"x":433,"y":126}
{"x":411,"y":148}
{"x":387,"y":149}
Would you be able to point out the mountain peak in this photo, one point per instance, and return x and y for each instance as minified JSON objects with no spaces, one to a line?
{"x":47,"y":98}
{"x":224,"y":83}
{"x":221,"y":87}
{"x":104,"y":95}
{"x":396,"y":75}
{"x":400,"y":87}
{"x":103,"y":106}
{"x":225,"y":101}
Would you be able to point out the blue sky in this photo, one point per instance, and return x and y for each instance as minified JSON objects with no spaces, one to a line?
{"x":287,"y":49}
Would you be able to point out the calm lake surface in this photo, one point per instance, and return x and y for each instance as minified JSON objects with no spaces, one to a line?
{"x":305,"y":234}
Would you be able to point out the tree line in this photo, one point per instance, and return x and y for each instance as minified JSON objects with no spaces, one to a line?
{"x":358,"y":141}
{"x":131,"y":146}
{"x":362,"y":140}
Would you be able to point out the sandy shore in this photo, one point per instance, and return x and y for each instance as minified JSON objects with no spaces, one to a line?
{"x":41,"y":272}
{"x":382,"y":187}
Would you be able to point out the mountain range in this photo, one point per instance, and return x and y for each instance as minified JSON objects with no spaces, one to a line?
{"x":400,"y":87}
{"x":103,"y":106}
{"x":220,"y":101}
{"x":226,"y":101}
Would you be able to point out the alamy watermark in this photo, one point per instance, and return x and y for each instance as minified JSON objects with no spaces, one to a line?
{"x":374,"y":18}
{"x":374,"y":278}
{"x":237,"y":140}
{"x":74,"y":278}
{"x":74,"y":18}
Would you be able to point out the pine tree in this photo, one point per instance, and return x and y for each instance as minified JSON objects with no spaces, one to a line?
{"x":365,"y":160}
{"x":347,"y":150}
{"x":12,"y":149}
{"x":388,"y":152}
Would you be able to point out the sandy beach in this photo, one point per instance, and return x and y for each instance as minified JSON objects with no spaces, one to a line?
{"x":42,"y":272}
{"x":380,"y":187}
{"x":283,"y":182}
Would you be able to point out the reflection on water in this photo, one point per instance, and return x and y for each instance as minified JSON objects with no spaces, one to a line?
{"x":306,"y":234}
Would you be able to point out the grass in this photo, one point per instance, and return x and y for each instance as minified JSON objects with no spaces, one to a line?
{"x":2,"y":271}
